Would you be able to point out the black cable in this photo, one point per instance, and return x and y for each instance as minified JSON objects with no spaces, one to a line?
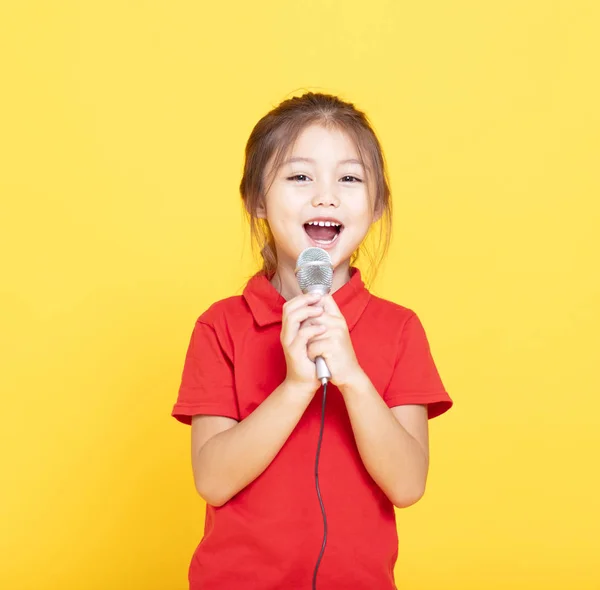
{"x":314,"y":581}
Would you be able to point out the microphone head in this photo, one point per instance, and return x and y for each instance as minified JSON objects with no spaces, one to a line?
{"x":314,"y":270}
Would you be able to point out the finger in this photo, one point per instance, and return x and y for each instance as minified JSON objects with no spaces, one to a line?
{"x":317,"y":321}
{"x":324,"y":319}
{"x":299,"y":316}
{"x":330,"y":306}
{"x":293,"y":321}
{"x":316,"y":347}
{"x":324,"y":335}
{"x":300,"y":301}
{"x":305,"y":334}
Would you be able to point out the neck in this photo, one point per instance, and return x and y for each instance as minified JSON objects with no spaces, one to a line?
{"x":284,"y":279}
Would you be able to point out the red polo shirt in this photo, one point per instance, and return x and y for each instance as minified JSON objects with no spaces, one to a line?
{"x":269,"y":535}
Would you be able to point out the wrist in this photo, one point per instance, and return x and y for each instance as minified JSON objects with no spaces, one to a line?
{"x":298,"y":389}
{"x":356,"y":381}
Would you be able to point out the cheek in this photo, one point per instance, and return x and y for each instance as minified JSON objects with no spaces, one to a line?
{"x":275,"y":210}
{"x":280,"y":219}
{"x":362,"y":208}
{"x":284,"y":216}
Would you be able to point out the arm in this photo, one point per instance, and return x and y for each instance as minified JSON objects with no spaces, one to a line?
{"x":228,"y":455}
{"x":393,"y":444}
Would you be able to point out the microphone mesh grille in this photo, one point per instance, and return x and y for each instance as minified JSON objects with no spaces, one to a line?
{"x":314,"y":268}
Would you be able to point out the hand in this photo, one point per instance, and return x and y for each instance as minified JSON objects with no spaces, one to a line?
{"x":334,"y":344}
{"x":296,"y":330}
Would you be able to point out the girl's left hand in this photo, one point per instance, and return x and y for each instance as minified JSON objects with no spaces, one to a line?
{"x":334,"y":345}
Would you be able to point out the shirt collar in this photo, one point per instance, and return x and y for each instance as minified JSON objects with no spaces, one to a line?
{"x":266,"y":303}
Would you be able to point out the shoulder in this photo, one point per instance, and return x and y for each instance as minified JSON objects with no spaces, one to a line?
{"x":388,"y":312}
{"x":398,"y":324}
{"x":223,"y":323}
{"x":225,"y":311}
{"x":393,"y":321}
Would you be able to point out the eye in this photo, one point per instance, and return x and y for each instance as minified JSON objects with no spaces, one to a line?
{"x":350,"y":178}
{"x":299,"y":177}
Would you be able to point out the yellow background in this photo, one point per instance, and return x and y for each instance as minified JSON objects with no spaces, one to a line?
{"x":122,"y":128}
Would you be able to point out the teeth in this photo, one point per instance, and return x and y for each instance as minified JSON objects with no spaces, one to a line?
{"x":325,"y":223}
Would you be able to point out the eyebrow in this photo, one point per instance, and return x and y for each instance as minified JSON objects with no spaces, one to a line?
{"x":311,"y":161}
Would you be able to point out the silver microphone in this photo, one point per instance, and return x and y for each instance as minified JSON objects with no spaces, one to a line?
{"x":314,"y":272}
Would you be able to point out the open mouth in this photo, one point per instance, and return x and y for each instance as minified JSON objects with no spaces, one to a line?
{"x":323,"y":232}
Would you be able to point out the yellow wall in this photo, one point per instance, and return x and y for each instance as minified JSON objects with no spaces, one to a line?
{"x":122,"y":130}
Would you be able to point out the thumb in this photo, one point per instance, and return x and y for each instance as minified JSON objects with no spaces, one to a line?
{"x":330,"y":306}
{"x":306,"y":333}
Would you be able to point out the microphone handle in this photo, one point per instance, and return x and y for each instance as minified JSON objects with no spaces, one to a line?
{"x":323,"y":374}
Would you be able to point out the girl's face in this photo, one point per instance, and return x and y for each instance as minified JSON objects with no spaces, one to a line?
{"x":319,"y":197}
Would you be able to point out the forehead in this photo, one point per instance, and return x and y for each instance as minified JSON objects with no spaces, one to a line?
{"x":324,"y":143}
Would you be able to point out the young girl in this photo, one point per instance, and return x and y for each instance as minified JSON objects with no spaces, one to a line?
{"x":314,"y":176}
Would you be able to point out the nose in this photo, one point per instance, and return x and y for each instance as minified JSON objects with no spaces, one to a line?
{"x":325,"y":196}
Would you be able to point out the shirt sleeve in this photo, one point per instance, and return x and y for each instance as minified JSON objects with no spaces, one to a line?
{"x":207,"y":382}
{"x":415,"y":379}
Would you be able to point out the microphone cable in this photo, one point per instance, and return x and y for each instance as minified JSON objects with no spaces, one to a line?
{"x":314,"y":580}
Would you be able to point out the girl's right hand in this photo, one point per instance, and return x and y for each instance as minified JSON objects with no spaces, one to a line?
{"x":295,"y":334}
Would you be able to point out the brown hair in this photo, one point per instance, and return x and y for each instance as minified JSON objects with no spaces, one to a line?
{"x":275,"y":134}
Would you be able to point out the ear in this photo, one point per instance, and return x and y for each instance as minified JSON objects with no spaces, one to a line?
{"x":377,"y":213}
{"x":261,"y":211}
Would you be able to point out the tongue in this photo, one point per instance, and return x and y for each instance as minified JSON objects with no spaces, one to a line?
{"x":321,"y":234}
